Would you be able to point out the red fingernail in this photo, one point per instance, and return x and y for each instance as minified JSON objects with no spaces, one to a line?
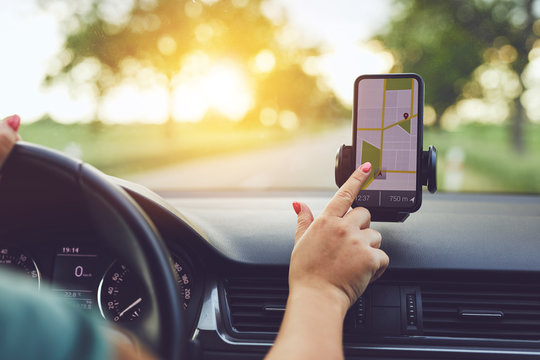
{"x":14,"y":121}
{"x":297,"y":207}
{"x":366,"y":167}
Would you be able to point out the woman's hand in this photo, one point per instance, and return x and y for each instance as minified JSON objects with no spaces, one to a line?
{"x":334,"y":258}
{"x":337,"y":252}
{"x":8,"y":135}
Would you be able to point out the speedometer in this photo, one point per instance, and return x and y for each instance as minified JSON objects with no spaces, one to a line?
{"x":122,"y":296}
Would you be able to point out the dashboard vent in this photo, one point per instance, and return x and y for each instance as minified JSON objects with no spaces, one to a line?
{"x":256,"y":305}
{"x":481,"y":310}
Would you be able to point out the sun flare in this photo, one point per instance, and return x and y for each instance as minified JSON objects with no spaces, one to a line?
{"x":220,"y":86}
{"x":203,"y":85}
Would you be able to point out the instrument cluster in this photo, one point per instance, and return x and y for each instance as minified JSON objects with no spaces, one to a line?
{"x":91,"y":279}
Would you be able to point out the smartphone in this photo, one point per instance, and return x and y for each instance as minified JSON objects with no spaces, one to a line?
{"x":387,"y":128}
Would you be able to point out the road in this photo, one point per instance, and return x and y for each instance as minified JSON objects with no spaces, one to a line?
{"x":306,"y":162}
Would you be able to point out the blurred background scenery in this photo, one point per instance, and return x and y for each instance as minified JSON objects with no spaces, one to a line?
{"x":221,"y":94}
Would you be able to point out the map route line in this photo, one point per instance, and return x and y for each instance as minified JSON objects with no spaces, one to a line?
{"x":387,"y":171}
{"x":382,"y":123}
{"x":368,"y":183}
{"x":389,"y":126}
{"x":399,"y":171}
{"x":412,"y":95}
{"x":399,"y":122}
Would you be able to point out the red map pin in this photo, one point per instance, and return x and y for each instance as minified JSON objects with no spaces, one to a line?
{"x":405,"y":115}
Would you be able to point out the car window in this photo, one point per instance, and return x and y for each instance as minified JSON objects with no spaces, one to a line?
{"x":257,"y":94}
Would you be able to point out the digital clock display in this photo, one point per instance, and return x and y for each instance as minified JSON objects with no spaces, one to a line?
{"x":74,"y":276}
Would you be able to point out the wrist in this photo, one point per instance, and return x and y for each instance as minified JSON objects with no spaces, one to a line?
{"x":314,"y":316}
{"x":326,"y":295}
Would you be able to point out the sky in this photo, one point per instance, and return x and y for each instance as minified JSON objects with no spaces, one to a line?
{"x":31,"y":39}
{"x":344,"y":26}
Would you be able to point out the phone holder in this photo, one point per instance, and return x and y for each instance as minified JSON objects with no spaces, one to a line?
{"x":428,"y":177}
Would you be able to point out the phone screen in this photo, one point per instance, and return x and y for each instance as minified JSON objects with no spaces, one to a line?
{"x":388,"y":133}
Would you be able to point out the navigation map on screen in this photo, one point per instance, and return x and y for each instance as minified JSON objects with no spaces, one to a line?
{"x":387,"y":136}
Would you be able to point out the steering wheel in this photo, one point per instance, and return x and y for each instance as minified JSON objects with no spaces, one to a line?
{"x":124,"y":226}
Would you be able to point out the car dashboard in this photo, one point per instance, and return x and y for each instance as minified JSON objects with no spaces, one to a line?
{"x":462,"y":281}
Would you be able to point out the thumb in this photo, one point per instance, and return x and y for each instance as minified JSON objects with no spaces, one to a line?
{"x":305,"y":218}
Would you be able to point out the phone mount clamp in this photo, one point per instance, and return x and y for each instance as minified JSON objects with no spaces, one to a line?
{"x":428,"y":176}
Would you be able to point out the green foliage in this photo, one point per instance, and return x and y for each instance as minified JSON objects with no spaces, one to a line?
{"x":445,"y":41}
{"x":122,"y":149}
{"x":489,"y":162}
{"x":159,"y":34}
{"x":289,"y":88}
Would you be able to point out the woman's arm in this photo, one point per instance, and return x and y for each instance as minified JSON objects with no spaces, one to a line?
{"x":335,"y":257}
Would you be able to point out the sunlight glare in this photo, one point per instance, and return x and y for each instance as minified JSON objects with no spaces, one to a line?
{"x":226,"y":87}
{"x":531,"y":79}
{"x":341,"y":66}
{"x":264,"y":62}
{"x":288,"y":120}
{"x":193,"y":65}
{"x":77,"y":106}
{"x":204,"y":32}
{"x":268,"y":116}
{"x":205,"y":84}
{"x":192,"y":9}
{"x":240,"y":3}
{"x":189,"y":104}
{"x":166,"y":45}
{"x":128,"y":103}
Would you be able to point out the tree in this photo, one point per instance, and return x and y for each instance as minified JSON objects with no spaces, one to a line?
{"x":445,"y":41}
{"x":160,"y":34}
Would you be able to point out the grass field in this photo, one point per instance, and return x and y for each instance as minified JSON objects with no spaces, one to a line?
{"x":488,"y":162}
{"x":122,"y":149}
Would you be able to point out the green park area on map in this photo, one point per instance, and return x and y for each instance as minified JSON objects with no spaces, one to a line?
{"x":373,"y":155}
{"x":399,"y":84}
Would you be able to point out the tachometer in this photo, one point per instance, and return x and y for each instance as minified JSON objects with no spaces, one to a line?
{"x":16,"y":260}
{"x":121,"y":294}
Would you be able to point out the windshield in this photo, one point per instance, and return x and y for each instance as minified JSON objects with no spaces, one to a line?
{"x":258,"y":94}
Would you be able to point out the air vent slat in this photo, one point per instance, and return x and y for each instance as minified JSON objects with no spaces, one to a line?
{"x":259,"y":316}
{"x":481,"y":310}
{"x":254,"y":327}
{"x":472,"y":293}
{"x":483,"y":301}
{"x":489,"y":323}
{"x":268,"y":288}
{"x":481,"y":334}
{"x":245,"y":304}
{"x":255,"y":305}
{"x":259,"y":296}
